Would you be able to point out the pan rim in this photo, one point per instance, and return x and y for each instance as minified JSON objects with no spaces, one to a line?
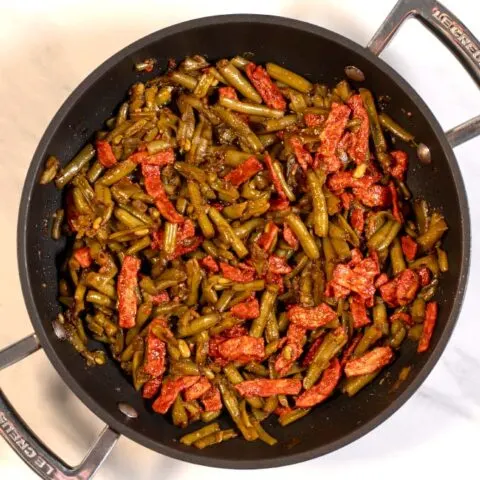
{"x":123,"y":427}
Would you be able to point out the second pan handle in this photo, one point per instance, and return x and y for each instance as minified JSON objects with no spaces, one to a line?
{"x":451,"y":32}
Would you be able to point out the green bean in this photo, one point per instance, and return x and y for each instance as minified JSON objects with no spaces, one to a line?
{"x":375,"y":128}
{"x":429,"y":261}
{"x":442,"y":259}
{"x":306,"y":240}
{"x":57,"y":223}
{"x":183,"y":79}
{"x":320,"y":215}
{"x":250,"y":108}
{"x":262,"y":434}
{"x":215,"y":438}
{"x":138,"y":246}
{"x":267,"y":303}
{"x":99,"y":298}
{"x":352,"y":236}
{"x":370,"y":337}
{"x":433,"y":234}
{"x":179,"y":413}
{"x":343,"y":90}
{"x":396,"y":257}
{"x":380,"y":319}
{"x":233,"y":158}
{"x":71,"y":169}
{"x":199,"y":324}
{"x":397,"y":334}
{"x":341,"y":248}
{"x":235,"y":78}
{"x":389,"y":237}
{"x":231,"y":404}
{"x":271,"y":328}
{"x":203,"y":220}
{"x":170,"y":238}
{"x":226,"y":231}
{"x":234,"y":211}
{"x":239,"y":61}
{"x":274,"y":124}
{"x":354,"y":384}
{"x":289,"y":78}
{"x":381,"y":235}
{"x":240,"y":127}
{"x":420,"y":207}
{"x":191,"y":438}
{"x":388,"y":124}
{"x":293,"y":416}
{"x":418,"y":310}
{"x":329,"y":348}
{"x":194,"y":278}
{"x":51,"y":168}
{"x":277,"y":167}
{"x":117,"y":172}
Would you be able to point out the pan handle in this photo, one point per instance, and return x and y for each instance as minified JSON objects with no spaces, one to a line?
{"x":451,"y":32}
{"x":29,"y":447}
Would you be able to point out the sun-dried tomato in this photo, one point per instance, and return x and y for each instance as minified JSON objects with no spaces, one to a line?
{"x":126,"y":286}
{"x":431,"y":313}
{"x":266,"y":387}
{"x":369,"y":362}
{"x":246,"y":170}
{"x":264,"y":85}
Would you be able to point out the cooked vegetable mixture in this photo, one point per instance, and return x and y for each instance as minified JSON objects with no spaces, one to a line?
{"x":243,"y":240}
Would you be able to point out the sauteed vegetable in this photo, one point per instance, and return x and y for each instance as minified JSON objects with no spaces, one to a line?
{"x":242,"y":240}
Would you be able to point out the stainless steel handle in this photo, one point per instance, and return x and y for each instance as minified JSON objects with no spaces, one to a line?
{"x":29,"y":447}
{"x":453,"y":33}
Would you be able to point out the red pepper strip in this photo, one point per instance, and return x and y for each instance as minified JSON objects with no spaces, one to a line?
{"x":312,"y":351}
{"x":359,"y":312}
{"x":424,"y":275}
{"x":212,"y":401}
{"x":327,"y":164}
{"x":348,"y":352}
{"x":160,"y":159}
{"x":388,"y":292}
{"x":273,"y":176}
{"x":242,"y":349}
{"x":333,"y":129}
{"x":431,"y":312}
{"x":228,"y":92}
{"x":397,"y":214}
{"x":358,"y":149}
{"x":409,"y":247}
{"x":151,"y":387}
{"x":187,"y":246}
{"x":105,"y":154}
{"x":360,"y":279}
{"x":159,"y":298}
{"x":155,"y":354}
{"x":235,"y":331}
{"x":407,"y":286}
{"x":197,"y":390}
{"x":341,"y":180}
{"x":295,"y":340}
{"x":311,"y":317}
{"x":403,"y":317}
{"x":346,"y":199}
{"x":154,"y":187}
{"x":170,"y":391}
{"x":304,"y":158}
{"x":281,"y":411}
{"x":374,"y":196}
{"x":247,"y":310}
{"x":290,"y":237}
{"x":278,"y":265}
{"x":323,"y":389}
{"x":83,"y":257}
{"x":126,"y":286}
{"x":265,"y":387}
{"x":357,"y":219}
{"x":313,"y":120}
{"x":242,"y":273}
{"x":279,"y":204}
{"x":400,"y":164}
{"x":250,"y":167}
{"x":370,"y":362}
{"x":382,"y":279}
{"x":268,"y":237}
{"x":210,"y":263}
{"x":264,"y":85}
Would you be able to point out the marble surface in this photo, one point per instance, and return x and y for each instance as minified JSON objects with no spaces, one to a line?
{"x":47,"y":48}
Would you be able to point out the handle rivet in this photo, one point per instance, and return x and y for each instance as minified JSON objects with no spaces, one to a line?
{"x":354,"y":73}
{"x":423,"y":154}
{"x":127,"y":410}
{"x":59,"y":330}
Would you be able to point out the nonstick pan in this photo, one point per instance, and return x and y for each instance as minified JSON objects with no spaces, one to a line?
{"x":320,"y":55}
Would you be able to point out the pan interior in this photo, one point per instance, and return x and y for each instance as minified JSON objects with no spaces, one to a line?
{"x":320,"y":56}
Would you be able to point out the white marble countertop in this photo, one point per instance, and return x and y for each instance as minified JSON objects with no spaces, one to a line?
{"x":47,"y":48}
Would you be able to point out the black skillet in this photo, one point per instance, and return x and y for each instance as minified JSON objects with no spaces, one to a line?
{"x":320,"y":55}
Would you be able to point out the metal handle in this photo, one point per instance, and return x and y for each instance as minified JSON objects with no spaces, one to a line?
{"x":29,"y":447}
{"x":453,"y":33}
